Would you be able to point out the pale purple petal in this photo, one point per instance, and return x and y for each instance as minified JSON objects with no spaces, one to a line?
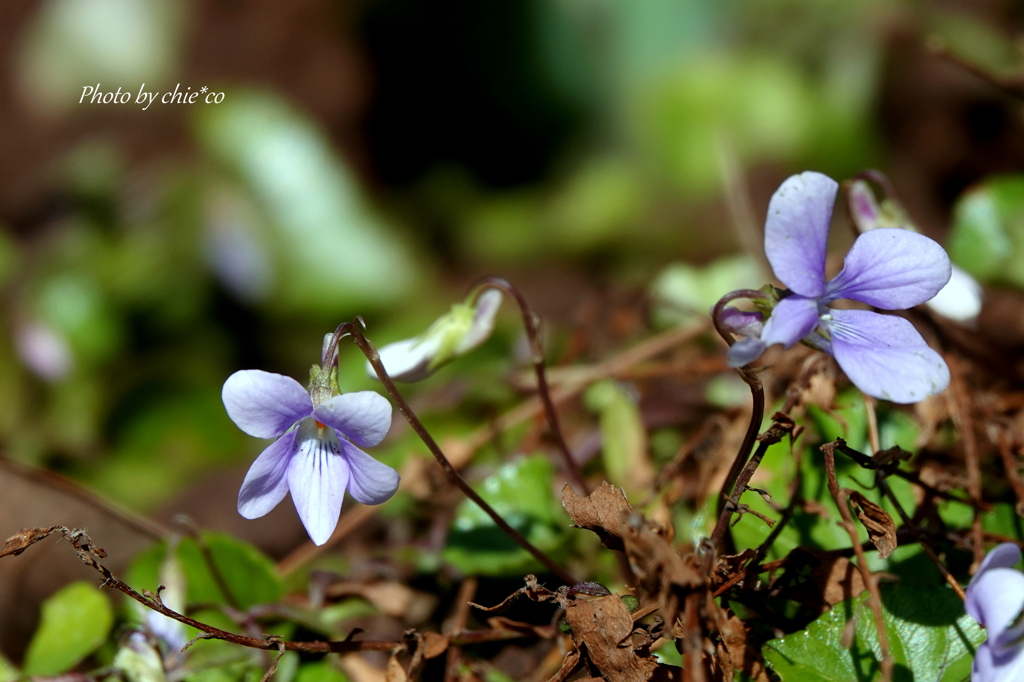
{"x":742,"y":322}
{"x":266,"y":483}
{"x":317,"y":477}
{"x":363,"y":417}
{"x":1006,"y":555}
{"x":891,"y":269}
{"x":371,"y":482}
{"x":995,"y":600}
{"x":791,"y":320}
{"x":885,"y":357}
{"x":487,"y":305}
{"x":745,"y":351}
{"x":264,"y":405}
{"x":796,"y":231}
{"x":989,"y":666}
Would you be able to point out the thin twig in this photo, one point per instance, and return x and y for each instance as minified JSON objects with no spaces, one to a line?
{"x":89,"y":554}
{"x":779,"y":428}
{"x":353,"y":329}
{"x":960,"y":410}
{"x":862,"y":563}
{"x":887,"y":491}
{"x":530,"y":323}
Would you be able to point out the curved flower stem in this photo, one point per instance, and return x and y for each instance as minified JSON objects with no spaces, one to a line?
{"x":756,"y":415}
{"x":353,"y":329}
{"x":530,"y":323}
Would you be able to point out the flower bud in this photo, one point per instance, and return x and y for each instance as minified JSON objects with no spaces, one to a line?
{"x":455,"y":333}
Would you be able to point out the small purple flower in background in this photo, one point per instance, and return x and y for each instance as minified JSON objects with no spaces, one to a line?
{"x":892,"y":269}
{"x":995,"y":598}
{"x":315,"y":455}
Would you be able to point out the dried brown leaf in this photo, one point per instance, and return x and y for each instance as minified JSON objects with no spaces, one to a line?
{"x":880,"y":527}
{"x":23,"y":539}
{"x":602,"y":627}
{"x":435,"y":644}
{"x":604,"y":512}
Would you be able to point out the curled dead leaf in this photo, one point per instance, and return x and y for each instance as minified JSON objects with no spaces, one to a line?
{"x":880,"y":526}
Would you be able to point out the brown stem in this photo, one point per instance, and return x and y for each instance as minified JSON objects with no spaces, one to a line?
{"x":862,"y":563}
{"x":773,"y":435}
{"x":530,"y":323}
{"x":353,"y":329}
{"x":756,"y":394}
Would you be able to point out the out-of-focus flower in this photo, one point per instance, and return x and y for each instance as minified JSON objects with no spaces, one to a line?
{"x":315,"y":456}
{"x":995,"y":598}
{"x":455,"y":333}
{"x":892,"y":269}
{"x":960,"y":299}
{"x":43,"y":350}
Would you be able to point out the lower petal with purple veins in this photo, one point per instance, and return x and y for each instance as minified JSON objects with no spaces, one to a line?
{"x":318,"y":475}
{"x":885,"y":356}
{"x":371,"y":482}
{"x":266,"y":483}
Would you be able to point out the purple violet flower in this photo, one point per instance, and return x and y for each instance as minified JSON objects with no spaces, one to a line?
{"x":891,"y":269}
{"x":995,"y":598}
{"x":315,"y":455}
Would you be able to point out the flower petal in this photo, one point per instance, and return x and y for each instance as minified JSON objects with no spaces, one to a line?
{"x":792,"y":319}
{"x":371,"y":482}
{"x":363,"y":417}
{"x":744,"y":352}
{"x":996,"y":599}
{"x":990,"y":666}
{"x":1006,"y":555}
{"x":487,"y":305}
{"x":406,"y":360}
{"x":891,"y":269}
{"x":885,"y":357}
{"x":742,"y":322}
{"x":796,"y":231}
{"x":266,"y":483}
{"x":317,"y":477}
{"x":264,"y":405}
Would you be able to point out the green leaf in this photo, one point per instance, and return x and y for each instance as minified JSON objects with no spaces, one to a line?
{"x":8,"y":673}
{"x":333,"y":251}
{"x":521,"y":492}
{"x":75,"y":622}
{"x":247,"y":573}
{"x":684,"y":292}
{"x":930,"y":638}
{"x":987,"y":239}
{"x":623,"y":437}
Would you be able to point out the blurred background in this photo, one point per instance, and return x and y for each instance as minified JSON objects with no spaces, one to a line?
{"x":374,"y":157}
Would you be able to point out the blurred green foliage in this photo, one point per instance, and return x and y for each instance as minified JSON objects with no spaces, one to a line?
{"x":75,"y":622}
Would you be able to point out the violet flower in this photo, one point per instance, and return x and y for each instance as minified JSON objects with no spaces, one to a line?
{"x":995,"y":598}
{"x":315,"y":456}
{"x":891,"y":269}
